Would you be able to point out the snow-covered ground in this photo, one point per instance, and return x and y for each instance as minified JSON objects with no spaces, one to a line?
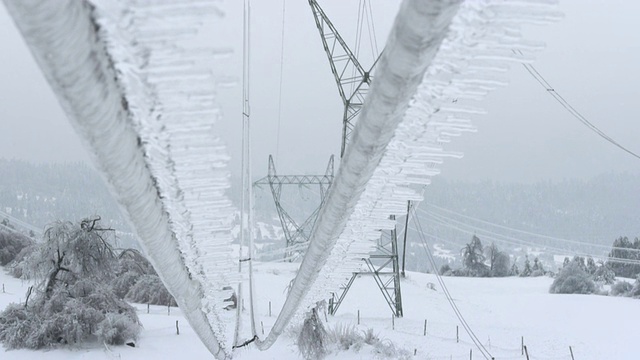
{"x":500,"y":312}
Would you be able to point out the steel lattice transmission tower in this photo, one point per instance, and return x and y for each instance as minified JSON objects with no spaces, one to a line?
{"x":351,"y":77}
{"x":296,"y":235}
{"x":353,"y":85}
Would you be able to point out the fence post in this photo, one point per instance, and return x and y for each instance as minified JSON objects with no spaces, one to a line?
{"x":424,"y":333}
{"x":571,"y":350}
{"x":522,"y":345}
{"x":168,"y":309}
{"x":147,"y":308}
{"x":262,"y":326}
{"x":177,"y":328}
{"x":269,"y":308}
{"x":358,"y":317}
{"x":393,"y":322}
{"x":457,"y":335}
{"x":526,"y":352}
{"x":470,"y":354}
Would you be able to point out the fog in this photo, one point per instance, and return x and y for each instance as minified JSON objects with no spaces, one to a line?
{"x":590,"y":59}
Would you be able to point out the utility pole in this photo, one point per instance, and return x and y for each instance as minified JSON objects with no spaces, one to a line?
{"x":404,"y":241}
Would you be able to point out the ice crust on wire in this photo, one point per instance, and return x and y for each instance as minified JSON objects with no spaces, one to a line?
{"x":175,"y":120}
{"x":472,"y":61}
{"x":144,"y":108}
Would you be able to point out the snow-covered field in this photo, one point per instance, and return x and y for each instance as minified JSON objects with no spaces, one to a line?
{"x":500,"y":311}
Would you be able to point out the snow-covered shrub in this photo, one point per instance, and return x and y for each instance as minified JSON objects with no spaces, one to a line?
{"x":74,"y":266}
{"x":445,"y":269}
{"x":347,"y":337}
{"x":537,"y":273}
{"x":388,"y":350}
{"x":604,"y":274}
{"x":11,"y":244}
{"x":18,"y":266}
{"x":149,"y":289}
{"x":621,"y":288}
{"x":116,"y":329}
{"x":572,"y":279}
{"x":312,"y":340}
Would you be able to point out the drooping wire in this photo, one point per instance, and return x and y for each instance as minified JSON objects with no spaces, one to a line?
{"x":483,"y":350}
{"x":281,"y":77}
{"x":472,"y":230}
{"x":565,"y":104}
{"x":604,"y":247}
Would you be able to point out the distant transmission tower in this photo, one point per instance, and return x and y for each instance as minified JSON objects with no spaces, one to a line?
{"x":296,"y":235}
{"x":353,"y":85}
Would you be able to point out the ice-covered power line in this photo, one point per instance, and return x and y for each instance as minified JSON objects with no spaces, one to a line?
{"x":572,"y":110}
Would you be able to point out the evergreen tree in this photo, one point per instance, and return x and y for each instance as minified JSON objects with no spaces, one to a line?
{"x":626,"y":250}
{"x":514,"y":270}
{"x":526,"y":270}
{"x":591,"y":266}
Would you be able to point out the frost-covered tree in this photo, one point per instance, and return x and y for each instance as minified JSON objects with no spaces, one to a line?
{"x":537,"y":269}
{"x":526,"y":269}
{"x":72,"y":301}
{"x":137,"y":281}
{"x":473,"y":257}
{"x":501,"y":265}
{"x":623,"y":248}
{"x":498,"y":261}
{"x":11,"y":244}
{"x":572,"y":279}
{"x":149,"y":289}
{"x":591,"y":266}
{"x":604,"y":274}
{"x":131,"y":266}
{"x":514,"y":270}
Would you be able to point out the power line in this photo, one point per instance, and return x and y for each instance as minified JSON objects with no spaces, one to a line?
{"x":577,"y":242}
{"x":565,"y":104}
{"x":284,"y":2}
{"x":444,"y":221}
{"x":485,"y":353}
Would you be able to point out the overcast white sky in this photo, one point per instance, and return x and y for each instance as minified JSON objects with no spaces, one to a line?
{"x":592,"y":59}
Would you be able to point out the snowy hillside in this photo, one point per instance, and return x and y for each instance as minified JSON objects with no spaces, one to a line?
{"x":500,"y":312}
